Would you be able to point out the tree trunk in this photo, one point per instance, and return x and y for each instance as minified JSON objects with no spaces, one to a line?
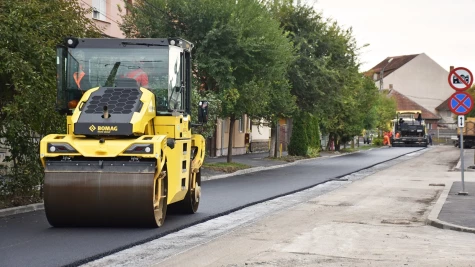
{"x":277,"y":140}
{"x":337,"y":143}
{"x":232,"y":119}
{"x":273,"y":140}
{"x":329,"y":141}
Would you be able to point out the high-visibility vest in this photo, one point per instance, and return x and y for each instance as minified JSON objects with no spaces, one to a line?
{"x":140,"y":76}
{"x":78,"y":77}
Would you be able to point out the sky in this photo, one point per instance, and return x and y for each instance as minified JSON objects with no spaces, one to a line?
{"x":443,"y":30}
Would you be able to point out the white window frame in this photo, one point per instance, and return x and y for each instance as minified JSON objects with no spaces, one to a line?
{"x":99,"y":9}
{"x":224,"y":125}
{"x":241,"y":125}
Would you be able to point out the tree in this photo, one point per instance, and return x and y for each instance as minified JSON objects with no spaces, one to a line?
{"x":385,"y":109}
{"x":30,"y":32}
{"x":471,"y":91}
{"x":299,"y":141}
{"x":240,"y":53}
{"x":324,"y":76}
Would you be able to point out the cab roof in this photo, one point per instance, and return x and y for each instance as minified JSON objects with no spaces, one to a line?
{"x":73,"y":42}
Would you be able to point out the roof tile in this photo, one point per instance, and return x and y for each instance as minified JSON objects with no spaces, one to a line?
{"x":404,"y":103}
{"x":396,"y":63}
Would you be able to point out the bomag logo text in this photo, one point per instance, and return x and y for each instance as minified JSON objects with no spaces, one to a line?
{"x":107,"y":129}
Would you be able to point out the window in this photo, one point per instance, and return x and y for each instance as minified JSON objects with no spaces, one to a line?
{"x":225,"y":127}
{"x":99,"y":9}
{"x":241,"y":125}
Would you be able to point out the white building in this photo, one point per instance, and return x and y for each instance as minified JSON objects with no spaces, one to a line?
{"x":417,"y":77}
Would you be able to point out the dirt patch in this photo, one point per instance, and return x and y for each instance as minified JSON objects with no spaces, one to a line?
{"x":15,"y":201}
{"x":451,"y":164}
{"x":429,"y":200}
{"x":396,"y":221}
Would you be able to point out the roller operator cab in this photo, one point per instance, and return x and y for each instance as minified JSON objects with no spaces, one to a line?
{"x":409,"y":129}
{"x":128,"y":154}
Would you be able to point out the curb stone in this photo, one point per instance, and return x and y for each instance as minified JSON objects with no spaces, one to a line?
{"x":21,"y":209}
{"x":433,"y":220}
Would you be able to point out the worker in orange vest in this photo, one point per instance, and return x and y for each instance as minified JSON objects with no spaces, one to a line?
{"x":387,"y":139}
{"x":139,"y":75}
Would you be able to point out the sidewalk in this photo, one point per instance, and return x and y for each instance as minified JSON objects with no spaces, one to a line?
{"x":257,"y":161}
{"x":453,"y":211}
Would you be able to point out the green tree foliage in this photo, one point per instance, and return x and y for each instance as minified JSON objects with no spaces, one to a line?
{"x":471,"y":91}
{"x":313,"y":131}
{"x":325,"y":74}
{"x":385,"y":110}
{"x":299,"y":141}
{"x":29,"y":33}
{"x":240,"y":54}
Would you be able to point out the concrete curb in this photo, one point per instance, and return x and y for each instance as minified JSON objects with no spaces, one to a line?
{"x":457,"y":167}
{"x":433,"y":220}
{"x":21,"y":209}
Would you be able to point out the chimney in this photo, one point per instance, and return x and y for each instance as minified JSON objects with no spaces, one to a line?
{"x":451,"y":68}
{"x":390,"y":87}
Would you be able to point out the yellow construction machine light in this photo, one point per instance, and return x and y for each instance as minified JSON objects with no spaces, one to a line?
{"x":139,"y":149}
{"x":61,"y":148}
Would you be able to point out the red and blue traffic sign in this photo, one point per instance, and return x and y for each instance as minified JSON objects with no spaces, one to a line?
{"x":460,"y":79}
{"x":461,"y":103}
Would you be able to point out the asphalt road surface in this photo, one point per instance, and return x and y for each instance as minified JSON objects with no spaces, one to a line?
{"x":28,"y":240}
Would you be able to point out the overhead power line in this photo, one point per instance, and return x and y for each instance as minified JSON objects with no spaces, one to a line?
{"x":105,"y":15}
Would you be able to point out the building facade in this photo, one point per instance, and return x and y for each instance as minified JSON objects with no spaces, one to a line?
{"x":419,"y":79}
{"x":107,"y":15}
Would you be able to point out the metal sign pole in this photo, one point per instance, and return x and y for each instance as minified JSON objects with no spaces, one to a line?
{"x":462,"y":167}
{"x":461,"y":103}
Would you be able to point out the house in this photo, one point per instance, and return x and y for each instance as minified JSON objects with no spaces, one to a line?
{"x":250,"y":136}
{"x":418,"y":78}
{"x":218,"y":145}
{"x":107,"y":15}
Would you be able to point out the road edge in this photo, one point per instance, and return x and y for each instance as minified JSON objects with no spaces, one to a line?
{"x":21,"y":209}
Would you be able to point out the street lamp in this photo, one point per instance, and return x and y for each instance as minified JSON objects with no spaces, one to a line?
{"x":382,"y":74}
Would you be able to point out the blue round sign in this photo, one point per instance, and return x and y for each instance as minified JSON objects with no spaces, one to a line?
{"x":461,"y":103}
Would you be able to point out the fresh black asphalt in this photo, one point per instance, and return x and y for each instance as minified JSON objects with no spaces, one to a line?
{"x":28,"y":240}
{"x":458,"y":209}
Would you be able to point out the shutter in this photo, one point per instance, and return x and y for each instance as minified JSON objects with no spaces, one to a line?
{"x":96,"y":9}
{"x":103,"y":10}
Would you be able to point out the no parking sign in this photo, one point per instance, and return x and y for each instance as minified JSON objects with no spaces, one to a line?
{"x":461,"y":103}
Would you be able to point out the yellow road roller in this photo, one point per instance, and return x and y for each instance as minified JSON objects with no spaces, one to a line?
{"x":128,"y":154}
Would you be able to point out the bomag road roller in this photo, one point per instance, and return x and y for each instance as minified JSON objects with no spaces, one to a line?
{"x":128,"y":152}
